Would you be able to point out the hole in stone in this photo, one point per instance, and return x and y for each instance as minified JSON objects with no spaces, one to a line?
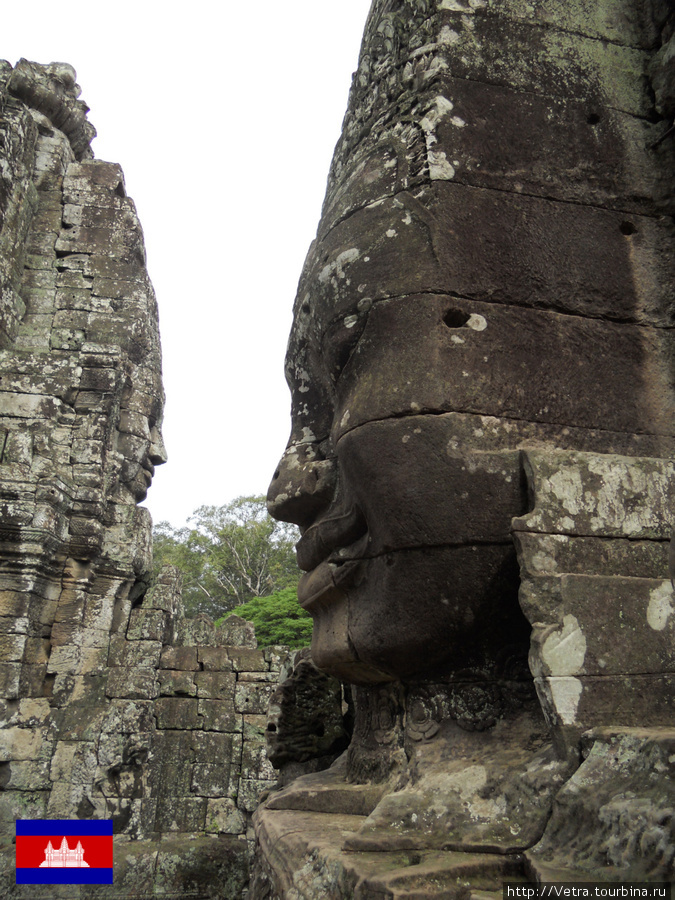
{"x":593,"y":119}
{"x":272,"y":728}
{"x":121,"y":817}
{"x":276,"y":475}
{"x":342,"y":359}
{"x":319,"y":729}
{"x":48,"y":686}
{"x":627,"y":228}
{"x":456,"y":318}
{"x":137,"y":593}
{"x":85,"y":809}
{"x":119,"y":190}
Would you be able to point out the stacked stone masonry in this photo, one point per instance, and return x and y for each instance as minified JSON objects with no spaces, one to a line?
{"x":167,"y":736}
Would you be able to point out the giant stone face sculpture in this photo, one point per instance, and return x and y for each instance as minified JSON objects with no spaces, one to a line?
{"x":439,"y":328}
{"x":113,"y":705}
{"x":405,"y":530}
{"x":481,"y":372}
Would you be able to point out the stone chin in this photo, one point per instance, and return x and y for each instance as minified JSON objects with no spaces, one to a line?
{"x":138,"y":483}
{"x":410,"y":613}
{"x":332,"y":647}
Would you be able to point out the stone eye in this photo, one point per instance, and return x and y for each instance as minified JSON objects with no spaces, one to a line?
{"x":340,"y":341}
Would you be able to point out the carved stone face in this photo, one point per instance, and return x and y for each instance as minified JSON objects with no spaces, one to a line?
{"x":427,"y":349}
{"x":140,"y":441}
{"x":391,"y":507}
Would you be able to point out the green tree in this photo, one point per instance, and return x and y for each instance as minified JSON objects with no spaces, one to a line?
{"x":228,"y":555}
{"x":278,"y":619}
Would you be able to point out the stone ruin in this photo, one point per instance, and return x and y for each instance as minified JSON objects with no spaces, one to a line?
{"x":481,"y":460}
{"x":481,"y":463}
{"x":114,"y":705}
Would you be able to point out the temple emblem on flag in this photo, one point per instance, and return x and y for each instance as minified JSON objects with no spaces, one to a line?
{"x":64,"y":851}
{"x":64,"y":857}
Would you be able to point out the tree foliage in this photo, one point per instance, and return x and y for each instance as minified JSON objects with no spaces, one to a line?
{"x":278,"y":619}
{"x":228,"y":555}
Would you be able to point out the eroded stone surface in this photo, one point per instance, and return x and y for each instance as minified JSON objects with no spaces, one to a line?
{"x":306,"y":725}
{"x":615,"y":814}
{"x":301,"y":856}
{"x":601,"y":639}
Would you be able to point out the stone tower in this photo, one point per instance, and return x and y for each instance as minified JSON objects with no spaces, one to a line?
{"x":82,"y":403}
{"x":112,"y":704}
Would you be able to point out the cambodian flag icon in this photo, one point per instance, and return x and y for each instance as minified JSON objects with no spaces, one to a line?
{"x":64,"y":851}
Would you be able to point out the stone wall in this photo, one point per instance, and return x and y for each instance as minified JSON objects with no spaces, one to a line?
{"x":167,"y":736}
{"x":167,"y":739}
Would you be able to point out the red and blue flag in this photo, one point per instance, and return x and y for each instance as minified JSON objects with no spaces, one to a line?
{"x":64,"y":851}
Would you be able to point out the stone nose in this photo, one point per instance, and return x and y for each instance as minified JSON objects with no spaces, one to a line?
{"x":157,"y":451}
{"x":303,"y":485}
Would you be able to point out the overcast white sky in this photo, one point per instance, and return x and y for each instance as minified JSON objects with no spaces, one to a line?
{"x":224,"y":117}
